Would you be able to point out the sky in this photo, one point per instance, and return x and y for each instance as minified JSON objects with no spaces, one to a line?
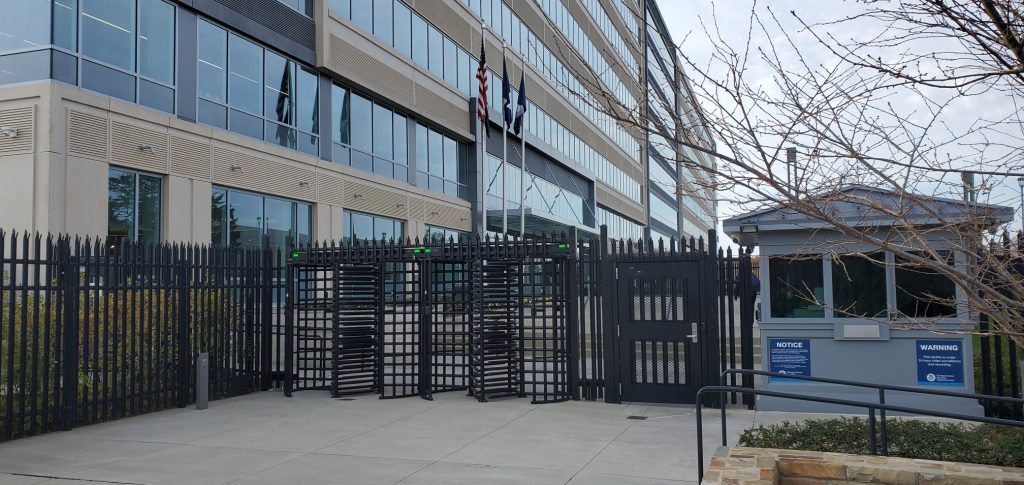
{"x":685,"y":20}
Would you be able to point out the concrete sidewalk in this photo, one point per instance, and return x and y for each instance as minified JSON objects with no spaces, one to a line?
{"x":265,"y":438}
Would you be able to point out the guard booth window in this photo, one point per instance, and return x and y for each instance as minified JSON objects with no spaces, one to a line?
{"x":858,"y":285}
{"x":922,"y":292}
{"x":797,"y":287}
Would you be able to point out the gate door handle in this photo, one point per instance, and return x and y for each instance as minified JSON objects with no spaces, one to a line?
{"x":693,"y":336}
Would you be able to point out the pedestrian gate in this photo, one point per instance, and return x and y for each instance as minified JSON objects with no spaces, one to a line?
{"x":489,"y":317}
{"x":552,"y":319}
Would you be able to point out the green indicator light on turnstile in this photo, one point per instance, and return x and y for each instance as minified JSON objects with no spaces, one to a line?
{"x":296,"y":254}
{"x":417,"y":250}
{"x":427,"y":250}
{"x":563,"y":246}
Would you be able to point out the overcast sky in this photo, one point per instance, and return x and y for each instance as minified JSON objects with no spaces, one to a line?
{"x":685,"y":17}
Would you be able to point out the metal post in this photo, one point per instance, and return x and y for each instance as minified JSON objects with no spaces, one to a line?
{"x":885,"y":430}
{"x":203,"y":381}
{"x":1020,"y":182}
{"x":609,"y":310}
{"x":289,"y":329}
{"x":183,"y":323}
{"x":266,"y":286}
{"x":573,"y":316}
{"x":700,"y":442}
{"x":872,"y":440}
{"x":426,"y":339}
{"x":721,"y":405}
{"x":69,"y":272}
{"x":522,"y":163}
{"x":504,"y":145}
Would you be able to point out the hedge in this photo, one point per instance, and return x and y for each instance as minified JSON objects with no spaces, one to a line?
{"x":985,"y":444}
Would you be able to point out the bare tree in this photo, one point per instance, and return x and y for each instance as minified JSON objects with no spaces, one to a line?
{"x":873,"y":99}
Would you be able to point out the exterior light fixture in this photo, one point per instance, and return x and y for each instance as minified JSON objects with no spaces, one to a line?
{"x":304,"y":184}
{"x":236,"y":168}
{"x":357,"y":196}
{"x":9,"y":132}
{"x":146,"y":149}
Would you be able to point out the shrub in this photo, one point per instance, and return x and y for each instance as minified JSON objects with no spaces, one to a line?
{"x":985,"y":444}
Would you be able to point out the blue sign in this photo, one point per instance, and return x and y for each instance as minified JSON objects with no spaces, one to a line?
{"x":940,"y":362}
{"x":789,"y":356}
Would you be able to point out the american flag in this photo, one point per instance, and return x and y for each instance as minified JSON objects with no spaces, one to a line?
{"x":481,"y":75}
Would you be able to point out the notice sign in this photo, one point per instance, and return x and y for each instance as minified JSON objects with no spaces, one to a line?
{"x":789,"y":356}
{"x":940,"y":362}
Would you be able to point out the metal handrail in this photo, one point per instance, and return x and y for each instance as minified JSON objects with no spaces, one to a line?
{"x":871,"y":407}
{"x":885,"y":387}
{"x":884,"y":436}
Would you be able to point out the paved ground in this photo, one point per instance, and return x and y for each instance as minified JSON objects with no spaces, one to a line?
{"x":266,"y":438}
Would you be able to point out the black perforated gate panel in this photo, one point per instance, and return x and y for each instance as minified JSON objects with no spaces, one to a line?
{"x":496,"y":338}
{"x":397,"y":320}
{"x":400,"y":332}
{"x":313,"y":333}
{"x":545,"y":352}
{"x":451,"y":312}
{"x":657,"y":330}
{"x":357,"y":314}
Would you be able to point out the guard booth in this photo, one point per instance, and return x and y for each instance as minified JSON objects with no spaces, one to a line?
{"x":839,"y":308}
{"x":400,"y":319}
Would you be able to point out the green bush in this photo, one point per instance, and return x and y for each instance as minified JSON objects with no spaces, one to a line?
{"x":983,"y":444}
{"x":126,"y":336}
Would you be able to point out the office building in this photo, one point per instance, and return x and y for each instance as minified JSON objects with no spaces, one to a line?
{"x":223,"y":121}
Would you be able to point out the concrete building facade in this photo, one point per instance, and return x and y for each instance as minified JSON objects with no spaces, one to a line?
{"x":221,"y":121}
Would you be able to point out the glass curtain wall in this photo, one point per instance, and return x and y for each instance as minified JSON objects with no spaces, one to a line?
{"x":256,"y":92}
{"x":361,"y":226}
{"x":121,"y":48}
{"x":427,"y":46}
{"x":438,"y":234}
{"x":541,"y":195}
{"x":133,"y":207}
{"x":368,"y":135}
{"x":619,"y":227}
{"x":242,"y":219}
{"x":442,"y":162}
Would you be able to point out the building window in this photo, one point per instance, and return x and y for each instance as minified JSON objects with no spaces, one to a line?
{"x":858,"y":286}
{"x":443,"y":163}
{"x":156,"y":40}
{"x":435,"y":234}
{"x":369,"y":136}
{"x":923,"y":292}
{"x":108,"y":32}
{"x":133,"y":207}
{"x":305,"y":7}
{"x":242,"y":219}
{"x":120,"y":48}
{"x":797,"y":287}
{"x":360,"y":226}
{"x":250,"y":90}
{"x":26,"y":24}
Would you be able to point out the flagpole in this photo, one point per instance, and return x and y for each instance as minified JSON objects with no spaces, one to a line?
{"x":504,"y":144}
{"x":481,"y":138}
{"x":522,"y":160}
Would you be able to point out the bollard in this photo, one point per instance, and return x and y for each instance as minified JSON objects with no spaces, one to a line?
{"x":203,"y":381}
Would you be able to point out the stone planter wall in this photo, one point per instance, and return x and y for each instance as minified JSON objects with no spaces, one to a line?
{"x":750,"y":466}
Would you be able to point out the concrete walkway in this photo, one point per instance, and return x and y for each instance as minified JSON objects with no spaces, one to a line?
{"x":266,"y":438}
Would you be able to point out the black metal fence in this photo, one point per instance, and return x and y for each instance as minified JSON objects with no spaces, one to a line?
{"x":997,"y":372}
{"x":92,"y":331}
